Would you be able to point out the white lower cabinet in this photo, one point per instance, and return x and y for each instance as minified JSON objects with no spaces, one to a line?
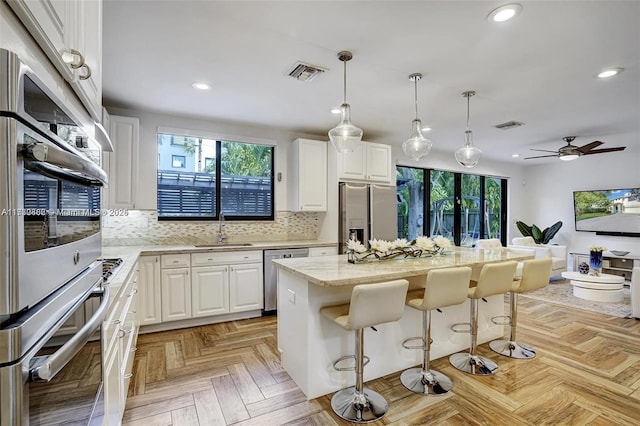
{"x":176,"y":294}
{"x":119,"y":336}
{"x":176,"y":287}
{"x":150,"y":293}
{"x":209,"y":290}
{"x":323,"y":251}
{"x":245,"y":287}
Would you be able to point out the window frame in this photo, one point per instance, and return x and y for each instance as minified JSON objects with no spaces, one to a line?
{"x":176,"y":156}
{"x":219,"y":139}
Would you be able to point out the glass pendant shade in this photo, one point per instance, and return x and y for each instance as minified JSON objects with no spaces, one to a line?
{"x":468,"y":156}
{"x":417,"y":146}
{"x":345,"y":137}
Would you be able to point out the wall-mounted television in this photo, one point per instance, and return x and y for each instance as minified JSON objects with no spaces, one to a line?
{"x":608,"y":211}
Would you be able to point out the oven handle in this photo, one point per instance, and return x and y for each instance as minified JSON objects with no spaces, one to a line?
{"x":45,"y":368}
{"x":55,"y":156}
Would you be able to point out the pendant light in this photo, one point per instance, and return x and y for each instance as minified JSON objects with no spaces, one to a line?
{"x":468,"y":156}
{"x":345,"y":136}
{"x":417,"y":146}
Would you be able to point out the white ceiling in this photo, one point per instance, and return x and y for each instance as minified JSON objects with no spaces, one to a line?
{"x":538,"y":68}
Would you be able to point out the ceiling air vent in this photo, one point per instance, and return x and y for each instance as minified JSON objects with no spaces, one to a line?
{"x":305,"y":72}
{"x":508,"y":125}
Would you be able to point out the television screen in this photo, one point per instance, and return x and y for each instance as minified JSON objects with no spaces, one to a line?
{"x":608,"y":211}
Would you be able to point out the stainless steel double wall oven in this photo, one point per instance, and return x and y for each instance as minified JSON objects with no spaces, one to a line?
{"x":50,"y":244}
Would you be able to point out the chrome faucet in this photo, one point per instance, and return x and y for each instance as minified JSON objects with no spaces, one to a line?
{"x":221,"y":223}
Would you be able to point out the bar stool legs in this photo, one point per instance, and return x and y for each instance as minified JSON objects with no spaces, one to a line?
{"x":424,"y":380}
{"x":358,"y":404}
{"x":510,"y":347}
{"x":473,"y":363}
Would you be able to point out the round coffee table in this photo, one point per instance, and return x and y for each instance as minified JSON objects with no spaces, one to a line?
{"x":601,"y":288}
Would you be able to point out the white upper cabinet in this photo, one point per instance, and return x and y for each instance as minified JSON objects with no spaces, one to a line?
{"x":370,"y":162}
{"x":122,"y":164}
{"x":307,"y":181}
{"x":70,"y":34}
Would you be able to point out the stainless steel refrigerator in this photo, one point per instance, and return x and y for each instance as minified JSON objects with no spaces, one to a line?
{"x":367,"y":211}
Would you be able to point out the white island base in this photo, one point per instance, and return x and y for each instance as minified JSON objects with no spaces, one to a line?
{"x":310,"y":344}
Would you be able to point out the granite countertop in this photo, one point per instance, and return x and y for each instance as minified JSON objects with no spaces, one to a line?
{"x":330,"y":271}
{"x":129,"y":249}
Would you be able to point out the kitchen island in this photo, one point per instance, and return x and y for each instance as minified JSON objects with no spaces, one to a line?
{"x":309,"y":344}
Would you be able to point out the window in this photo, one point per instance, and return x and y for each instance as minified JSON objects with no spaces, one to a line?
{"x":235,"y":178}
{"x":177,"y":161}
{"x":461,"y":207}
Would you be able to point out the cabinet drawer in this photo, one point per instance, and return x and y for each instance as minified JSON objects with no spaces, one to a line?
{"x":175,"y":261}
{"x":620,"y":263}
{"x":323,"y":251}
{"x":206,"y":259}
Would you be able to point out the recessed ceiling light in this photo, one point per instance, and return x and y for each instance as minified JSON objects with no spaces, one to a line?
{"x":515,"y":155}
{"x":335,"y":111}
{"x":200,"y":86}
{"x":426,"y":129}
{"x":504,"y":13}
{"x":610,"y":72}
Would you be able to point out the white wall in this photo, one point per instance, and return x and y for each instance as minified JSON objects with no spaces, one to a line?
{"x":150,"y":121}
{"x":550,"y":187}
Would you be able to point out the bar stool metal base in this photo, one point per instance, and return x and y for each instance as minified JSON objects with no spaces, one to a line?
{"x":473,"y":364}
{"x":425,"y":382}
{"x":366,"y":407}
{"x":512,"y":349}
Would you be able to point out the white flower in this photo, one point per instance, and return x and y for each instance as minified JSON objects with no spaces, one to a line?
{"x":597,"y":248}
{"x":380,"y":245}
{"x":425,"y":243}
{"x":399,"y":243}
{"x":356,"y":246}
{"x":442,"y":242}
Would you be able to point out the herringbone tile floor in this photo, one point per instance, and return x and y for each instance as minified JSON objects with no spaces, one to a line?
{"x":587,"y":372}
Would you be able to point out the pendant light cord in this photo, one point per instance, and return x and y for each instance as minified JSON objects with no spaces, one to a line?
{"x":344,"y":85}
{"x":415,"y":85}
{"x":468,"y":98}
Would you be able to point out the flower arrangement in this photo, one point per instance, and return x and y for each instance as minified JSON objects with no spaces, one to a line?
{"x":384,"y":250}
{"x":597,"y":248}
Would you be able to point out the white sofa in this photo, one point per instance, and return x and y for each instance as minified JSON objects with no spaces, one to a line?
{"x":557,"y":253}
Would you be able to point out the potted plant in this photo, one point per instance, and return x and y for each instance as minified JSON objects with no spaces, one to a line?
{"x":540,"y":237}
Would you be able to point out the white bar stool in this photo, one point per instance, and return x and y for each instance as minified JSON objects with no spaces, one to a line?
{"x":443,"y":287}
{"x":495,"y":278}
{"x":535,"y":275}
{"x":371,"y":304}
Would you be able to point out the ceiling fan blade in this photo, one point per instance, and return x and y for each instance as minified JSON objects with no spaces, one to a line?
{"x":541,"y":156}
{"x":588,"y":147}
{"x":542,"y":150}
{"x":603,"y":150}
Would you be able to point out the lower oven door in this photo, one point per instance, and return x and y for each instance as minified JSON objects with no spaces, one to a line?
{"x":57,"y":384}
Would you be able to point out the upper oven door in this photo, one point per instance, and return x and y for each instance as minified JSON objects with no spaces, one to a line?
{"x":58,"y":215}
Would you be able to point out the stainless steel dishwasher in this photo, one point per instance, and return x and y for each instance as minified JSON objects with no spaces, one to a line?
{"x":271,"y":275}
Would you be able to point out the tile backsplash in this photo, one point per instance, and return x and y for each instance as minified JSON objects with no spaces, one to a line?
{"x":144,"y":224}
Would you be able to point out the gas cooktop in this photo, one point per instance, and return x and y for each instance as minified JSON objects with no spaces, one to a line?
{"x":110,"y":267}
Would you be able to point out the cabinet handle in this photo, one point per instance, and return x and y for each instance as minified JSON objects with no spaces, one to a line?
{"x":132,"y":312}
{"x":87,"y":73}
{"x":133,"y":349}
{"x":127,"y":376}
{"x":225,"y":269}
{"x":69,"y":56}
{"x":133,"y":293}
{"x":156,"y":260}
{"x":121,"y":333}
{"x":115,"y":322}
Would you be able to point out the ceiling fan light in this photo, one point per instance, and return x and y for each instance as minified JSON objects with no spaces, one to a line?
{"x":345,"y":136}
{"x":417,"y":146}
{"x":568,"y":157}
{"x":504,"y":13}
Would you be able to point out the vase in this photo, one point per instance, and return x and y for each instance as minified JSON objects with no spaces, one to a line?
{"x":595,"y":263}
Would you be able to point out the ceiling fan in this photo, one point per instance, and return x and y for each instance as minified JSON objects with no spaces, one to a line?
{"x":571,"y":152}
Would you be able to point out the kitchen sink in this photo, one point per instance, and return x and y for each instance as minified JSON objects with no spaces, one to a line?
{"x":223,"y":245}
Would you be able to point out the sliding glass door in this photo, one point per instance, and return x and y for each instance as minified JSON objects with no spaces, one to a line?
{"x":461,"y":207}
